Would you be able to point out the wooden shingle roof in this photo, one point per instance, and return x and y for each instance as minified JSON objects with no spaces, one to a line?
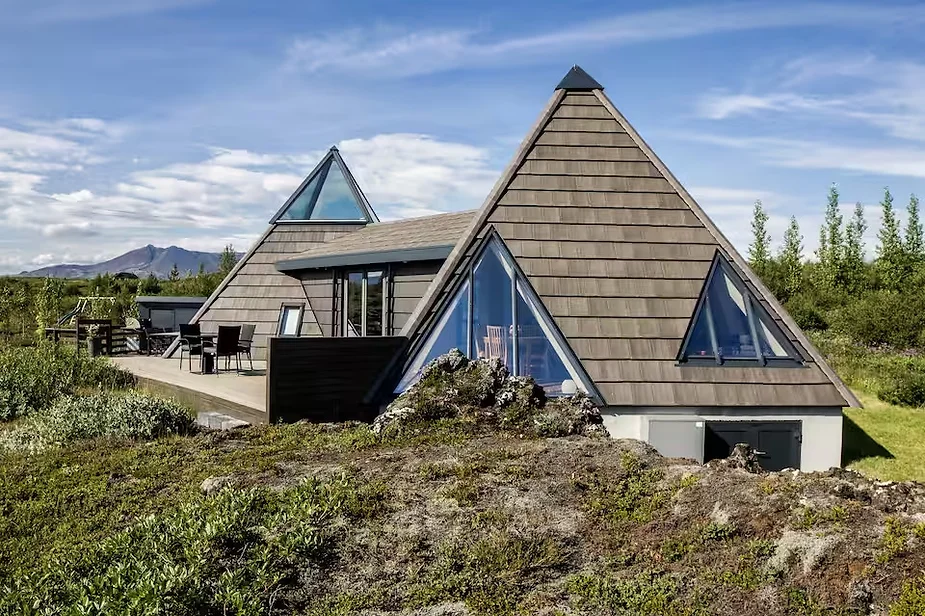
{"x":401,"y":240}
{"x":618,"y":251}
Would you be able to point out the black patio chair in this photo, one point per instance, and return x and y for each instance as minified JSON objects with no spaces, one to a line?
{"x":226,"y":345}
{"x":190,"y":343}
{"x":245,"y":342}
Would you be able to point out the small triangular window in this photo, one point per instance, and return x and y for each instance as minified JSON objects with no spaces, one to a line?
{"x":497,"y":307}
{"x":301,"y":206}
{"x":329,"y":195}
{"x":731,"y":327}
{"x":336,"y":201}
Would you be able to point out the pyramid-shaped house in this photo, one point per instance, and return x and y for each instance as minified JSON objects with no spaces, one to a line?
{"x":590,"y":268}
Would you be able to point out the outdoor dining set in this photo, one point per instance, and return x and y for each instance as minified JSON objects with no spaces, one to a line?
{"x":231,"y":341}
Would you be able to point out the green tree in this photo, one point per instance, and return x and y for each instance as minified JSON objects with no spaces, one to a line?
{"x":21,"y":304}
{"x":854,"y":249}
{"x":914,"y":243}
{"x":791,"y":257}
{"x":227,"y":261}
{"x":48,"y":303}
{"x":150,"y":285}
{"x":174,"y":273}
{"x":889,"y":248}
{"x":759,"y":251}
{"x":831,"y":250}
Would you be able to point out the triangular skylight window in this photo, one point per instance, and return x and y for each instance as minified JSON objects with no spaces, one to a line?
{"x":731,"y":327}
{"x":329,"y":194}
{"x":494,"y":313}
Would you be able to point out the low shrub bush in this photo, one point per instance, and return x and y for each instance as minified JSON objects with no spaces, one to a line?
{"x":806,"y":313}
{"x":32,"y":378}
{"x":906,"y":389}
{"x":237,"y":552}
{"x":102,"y":414}
{"x":896,"y":378}
{"x":882,"y":318}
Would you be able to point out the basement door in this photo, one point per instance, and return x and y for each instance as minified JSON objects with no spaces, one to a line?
{"x":777,"y":443}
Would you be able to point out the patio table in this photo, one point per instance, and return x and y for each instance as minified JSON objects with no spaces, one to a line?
{"x":162,"y":340}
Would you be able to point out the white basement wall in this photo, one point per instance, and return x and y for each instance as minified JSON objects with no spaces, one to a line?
{"x":820,"y":450}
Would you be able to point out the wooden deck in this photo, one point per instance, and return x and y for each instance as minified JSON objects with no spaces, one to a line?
{"x":243,"y":396}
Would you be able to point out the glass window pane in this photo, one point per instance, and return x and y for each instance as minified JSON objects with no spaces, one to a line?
{"x":536,"y":355}
{"x":450,"y":333}
{"x":374,"y":304}
{"x":492,"y":310}
{"x":699,"y":344}
{"x":353,"y":323}
{"x":730,"y":320}
{"x":302,"y":204}
{"x":290,"y":321}
{"x":336,"y":200}
{"x":770,"y":343}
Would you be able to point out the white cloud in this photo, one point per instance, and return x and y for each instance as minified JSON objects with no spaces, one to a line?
{"x":806,"y":154}
{"x":409,"y":175}
{"x":74,"y":197}
{"x":390,"y":52}
{"x":228,"y":197}
{"x":719,"y":105}
{"x":888,"y":95}
{"x":78,"y":128}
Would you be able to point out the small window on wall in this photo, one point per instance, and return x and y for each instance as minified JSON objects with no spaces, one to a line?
{"x":290,"y":320}
{"x":363,"y":304}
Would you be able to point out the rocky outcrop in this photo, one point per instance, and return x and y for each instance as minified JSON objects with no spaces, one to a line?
{"x":483,"y":392}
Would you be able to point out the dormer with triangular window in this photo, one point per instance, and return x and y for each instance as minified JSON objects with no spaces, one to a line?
{"x":328,"y":195}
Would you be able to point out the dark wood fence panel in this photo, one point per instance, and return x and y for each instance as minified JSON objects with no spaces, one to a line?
{"x":113,"y":338}
{"x":325,"y":379}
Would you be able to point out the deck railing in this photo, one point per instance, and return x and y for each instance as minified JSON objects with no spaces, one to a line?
{"x":113,"y":339}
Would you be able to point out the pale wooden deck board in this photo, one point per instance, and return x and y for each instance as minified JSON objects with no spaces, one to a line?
{"x":249,"y":390}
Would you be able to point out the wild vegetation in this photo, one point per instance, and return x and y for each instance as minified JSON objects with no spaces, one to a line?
{"x":475,"y":495}
{"x":459,"y":513}
{"x":29,"y":305}
{"x":868,"y":315}
{"x":33,"y":378}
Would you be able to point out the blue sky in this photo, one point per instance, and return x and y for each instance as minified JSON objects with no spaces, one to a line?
{"x":188,"y":122}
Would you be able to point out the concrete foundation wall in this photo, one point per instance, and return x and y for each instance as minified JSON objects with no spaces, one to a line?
{"x":820,"y":449}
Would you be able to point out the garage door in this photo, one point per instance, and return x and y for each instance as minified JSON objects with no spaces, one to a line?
{"x":777,"y":443}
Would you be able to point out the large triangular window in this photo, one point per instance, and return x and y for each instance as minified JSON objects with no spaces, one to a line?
{"x":730,"y":327}
{"x":329,"y":194}
{"x":495,"y":314}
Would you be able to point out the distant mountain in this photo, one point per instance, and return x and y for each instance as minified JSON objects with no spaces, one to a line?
{"x":141,"y":262}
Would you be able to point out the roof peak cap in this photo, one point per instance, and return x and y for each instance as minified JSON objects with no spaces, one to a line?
{"x":578,"y":80}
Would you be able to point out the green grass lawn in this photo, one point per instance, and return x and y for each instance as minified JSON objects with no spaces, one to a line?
{"x":885,"y":441}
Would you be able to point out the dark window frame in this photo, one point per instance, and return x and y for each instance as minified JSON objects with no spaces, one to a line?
{"x":283,"y":310}
{"x":753,"y":311}
{"x":344,"y":279}
{"x":520,"y":284}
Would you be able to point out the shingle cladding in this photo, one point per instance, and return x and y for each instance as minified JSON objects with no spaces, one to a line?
{"x":256,"y":290}
{"x":423,"y":232}
{"x":618,"y":253}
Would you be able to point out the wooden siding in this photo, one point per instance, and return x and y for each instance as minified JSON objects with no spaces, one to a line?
{"x":325,"y":379}
{"x":409,"y":283}
{"x":319,"y":290}
{"x":257,"y":291}
{"x":619,"y":259}
{"x":559,"y":198}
